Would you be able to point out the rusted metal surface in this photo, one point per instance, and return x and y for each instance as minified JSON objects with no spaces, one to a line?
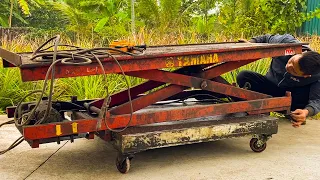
{"x":47,"y":131}
{"x":172,"y":50}
{"x":90,"y":135}
{"x":13,"y":58}
{"x":34,"y":143}
{"x":10,"y":111}
{"x":143,"y":138}
{"x":170,"y":90}
{"x":7,"y":64}
{"x":144,"y":101}
{"x":198,"y":83}
{"x":161,"y":57}
{"x":104,"y":135}
{"x":157,"y":115}
{"x":181,"y":113}
{"x":122,"y":97}
{"x":223,"y":68}
{"x":201,"y":65}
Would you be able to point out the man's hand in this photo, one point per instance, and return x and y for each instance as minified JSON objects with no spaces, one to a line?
{"x":299,"y":116}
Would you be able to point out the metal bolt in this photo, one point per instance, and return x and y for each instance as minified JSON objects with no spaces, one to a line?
{"x":204,"y":84}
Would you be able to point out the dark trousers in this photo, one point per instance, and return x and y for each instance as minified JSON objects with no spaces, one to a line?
{"x":259,"y":83}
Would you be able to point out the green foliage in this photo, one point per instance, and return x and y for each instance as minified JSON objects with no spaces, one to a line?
{"x":172,"y":17}
{"x":101,"y":24}
{"x":169,"y":16}
{"x":71,"y":13}
{"x":12,"y":89}
{"x":261,"y":67}
{"x":283,"y":15}
{"x":20,"y":10}
{"x":92,"y":87}
{"x":56,"y":21}
{"x":24,"y":6}
{"x":252,"y":17}
{"x":5,"y":8}
{"x":310,"y":15}
{"x":148,"y":13}
{"x":106,"y":18}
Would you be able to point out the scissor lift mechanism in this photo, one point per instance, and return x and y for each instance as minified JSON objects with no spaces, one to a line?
{"x":156,"y":124}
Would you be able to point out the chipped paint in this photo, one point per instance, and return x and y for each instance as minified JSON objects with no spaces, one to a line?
{"x":197,"y":60}
{"x":150,"y":140}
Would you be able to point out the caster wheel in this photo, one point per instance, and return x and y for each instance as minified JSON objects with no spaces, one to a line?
{"x":255,"y":147}
{"x":123,"y":164}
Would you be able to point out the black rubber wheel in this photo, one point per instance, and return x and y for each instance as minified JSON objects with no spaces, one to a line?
{"x":255,"y":147}
{"x":123,"y":164}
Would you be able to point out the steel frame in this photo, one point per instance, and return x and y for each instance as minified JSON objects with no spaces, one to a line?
{"x":199,"y":69}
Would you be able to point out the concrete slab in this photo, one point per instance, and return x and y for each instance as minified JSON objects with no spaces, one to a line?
{"x":290,"y":154}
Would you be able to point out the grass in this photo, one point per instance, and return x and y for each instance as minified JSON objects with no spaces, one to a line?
{"x":91,"y":87}
{"x":261,"y":66}
{"x":12,"y":89}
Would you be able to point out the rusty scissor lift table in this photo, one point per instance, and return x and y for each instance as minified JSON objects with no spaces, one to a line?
{"x":159,"y":120}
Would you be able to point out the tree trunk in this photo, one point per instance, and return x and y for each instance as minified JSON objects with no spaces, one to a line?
{"x":11,"y":12}
{"x":133,"y":28}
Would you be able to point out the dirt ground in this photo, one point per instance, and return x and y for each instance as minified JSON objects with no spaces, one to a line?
{"x":293,"y":153}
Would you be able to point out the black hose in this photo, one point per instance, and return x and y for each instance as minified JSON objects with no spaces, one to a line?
{"x":13,"y":145}
{"x":56,"y":43}
{"x":107,"y":99}
{"x":69,"y":58}
{"x":6,"y":123}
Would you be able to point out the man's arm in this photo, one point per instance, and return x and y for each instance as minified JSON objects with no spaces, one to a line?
{"x":273,"y":39}
{"x":311,"y":109}
{"x":314,"y":99}
{"x":260,"y":39}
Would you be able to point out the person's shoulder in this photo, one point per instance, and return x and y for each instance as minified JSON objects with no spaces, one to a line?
{"x":284,"y":38}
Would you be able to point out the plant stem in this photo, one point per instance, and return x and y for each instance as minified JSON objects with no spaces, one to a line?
{"x":133,"y":20}
{"x":11,"y":12}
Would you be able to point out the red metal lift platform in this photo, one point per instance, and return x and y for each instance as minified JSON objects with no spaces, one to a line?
{"x":189,"y":104}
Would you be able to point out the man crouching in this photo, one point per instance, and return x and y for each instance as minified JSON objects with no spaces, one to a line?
{"x":299,"y":74}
